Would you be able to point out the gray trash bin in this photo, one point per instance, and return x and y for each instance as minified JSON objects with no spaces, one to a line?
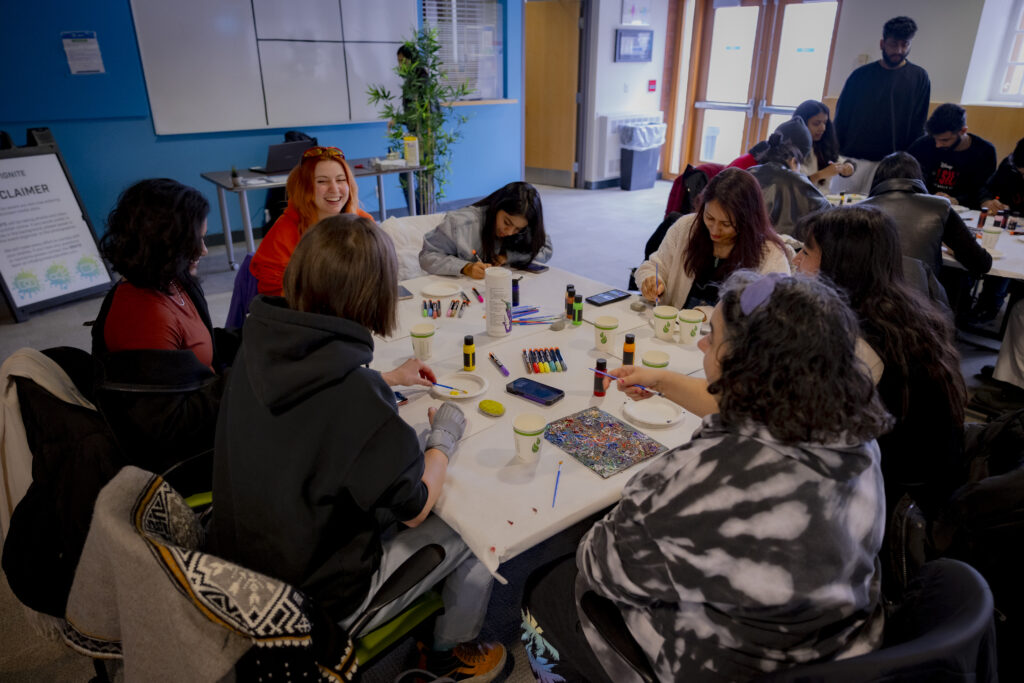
{"x":641,"y":147}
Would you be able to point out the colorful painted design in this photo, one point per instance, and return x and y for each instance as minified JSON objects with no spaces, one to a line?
{"x":538,"y":650}
{"x":26,"y":284}
{"x":602,"y":442}
{"x":58,"y":275}
{"x":89,"y":268}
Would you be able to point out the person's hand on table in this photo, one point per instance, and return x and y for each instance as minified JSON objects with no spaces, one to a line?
{"x":447,"y":425}
{"x":846,"y":169}
{"x":476,"y":269}
{"x":994,"y":205}
{"x":410,"y":373}
{"x":629,"y":375}
{"x":951,"y":198}
{"x":500,"y":260}
{"x":652,"y":288}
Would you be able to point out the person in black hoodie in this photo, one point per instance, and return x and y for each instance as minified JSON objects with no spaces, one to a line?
{"x":314,"y":467}
{"x":1004,"y":191}
{"x":955,"y":163}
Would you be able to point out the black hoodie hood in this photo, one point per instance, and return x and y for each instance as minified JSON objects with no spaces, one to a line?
{"x":290,"y":355}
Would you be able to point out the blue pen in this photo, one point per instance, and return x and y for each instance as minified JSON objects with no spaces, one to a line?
{"x":558,"y":475}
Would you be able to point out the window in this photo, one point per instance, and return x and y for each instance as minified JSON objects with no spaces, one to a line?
{"x":472,"y":48}
{"x":1008,"y":79}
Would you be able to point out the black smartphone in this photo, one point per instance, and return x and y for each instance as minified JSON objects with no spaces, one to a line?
{"x":400,"y":398}
{"x":533,"y":267}
{"x":403,"y":293}
{"x":535,"y":391}
{"x":609,"y":297}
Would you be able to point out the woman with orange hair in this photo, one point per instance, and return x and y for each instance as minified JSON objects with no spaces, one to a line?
{"x":322,"y":185}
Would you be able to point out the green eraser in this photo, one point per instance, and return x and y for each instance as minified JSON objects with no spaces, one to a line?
{"x":492,"y":408}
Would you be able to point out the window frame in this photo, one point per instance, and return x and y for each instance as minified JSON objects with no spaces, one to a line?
{"x":1013,"y":29}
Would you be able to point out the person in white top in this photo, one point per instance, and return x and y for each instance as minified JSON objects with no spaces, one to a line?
{"x":824,"y":162}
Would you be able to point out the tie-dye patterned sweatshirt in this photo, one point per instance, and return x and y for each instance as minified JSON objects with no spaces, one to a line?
{"x":735,"y":554}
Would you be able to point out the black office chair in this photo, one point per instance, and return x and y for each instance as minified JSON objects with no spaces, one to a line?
{"x":943,"y":631}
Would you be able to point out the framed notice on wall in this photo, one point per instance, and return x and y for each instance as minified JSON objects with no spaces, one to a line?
{"x":633,"y":44}
{"x":48,"y":250}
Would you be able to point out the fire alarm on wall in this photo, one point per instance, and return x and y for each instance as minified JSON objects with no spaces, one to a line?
{"x":652,"y":86}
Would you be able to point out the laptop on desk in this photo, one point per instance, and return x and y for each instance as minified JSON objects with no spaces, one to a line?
{"x":283,"y":157}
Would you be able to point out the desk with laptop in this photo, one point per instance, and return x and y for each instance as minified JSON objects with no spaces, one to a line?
{"x":281,"y":159}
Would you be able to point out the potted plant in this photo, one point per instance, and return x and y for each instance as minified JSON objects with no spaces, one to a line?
{"x":423,"y":110}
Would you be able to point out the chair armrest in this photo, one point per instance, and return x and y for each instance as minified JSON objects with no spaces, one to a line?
{"x":608,"y":621}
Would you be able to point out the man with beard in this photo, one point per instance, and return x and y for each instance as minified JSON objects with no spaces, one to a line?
{"x":955,"y":163}
{"x":882,"y":107}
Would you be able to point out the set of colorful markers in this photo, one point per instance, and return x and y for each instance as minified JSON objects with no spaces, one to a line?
{"x":543,"y":360}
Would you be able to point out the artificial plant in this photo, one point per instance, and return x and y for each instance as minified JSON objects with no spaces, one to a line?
{"x":423,"y":111}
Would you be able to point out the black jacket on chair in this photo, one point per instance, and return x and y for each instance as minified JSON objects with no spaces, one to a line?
{"x":925,"y":222}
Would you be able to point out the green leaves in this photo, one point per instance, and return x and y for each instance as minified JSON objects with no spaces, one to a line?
{"x":423,"y":110}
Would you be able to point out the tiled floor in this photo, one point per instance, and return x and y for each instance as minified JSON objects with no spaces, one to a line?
{"x":599,"y":234}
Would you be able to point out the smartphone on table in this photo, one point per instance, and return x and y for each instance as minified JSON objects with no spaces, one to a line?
{"x":534,"y":391}
{"x":609,"y":297}
{"x":403,"y":293}
{"x":533,"y":267}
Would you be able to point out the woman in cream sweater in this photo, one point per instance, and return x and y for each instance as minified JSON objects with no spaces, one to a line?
{"x":730,"y":230}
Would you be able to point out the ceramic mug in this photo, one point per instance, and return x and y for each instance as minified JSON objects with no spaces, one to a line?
{"x":690,"y":320}
{"x":665,"y":322}
{"x":528,"y":430}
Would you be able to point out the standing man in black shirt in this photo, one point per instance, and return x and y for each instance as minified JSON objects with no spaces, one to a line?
{"x":882,"y":107}
{"x":955,"y":163}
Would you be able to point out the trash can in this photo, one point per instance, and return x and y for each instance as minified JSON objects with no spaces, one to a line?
{"x":641,"y":146}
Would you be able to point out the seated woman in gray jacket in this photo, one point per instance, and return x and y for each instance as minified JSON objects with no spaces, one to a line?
{"x":507,"y":226}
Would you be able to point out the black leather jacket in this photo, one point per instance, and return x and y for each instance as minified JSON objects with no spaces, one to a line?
{"x":925,"y":222}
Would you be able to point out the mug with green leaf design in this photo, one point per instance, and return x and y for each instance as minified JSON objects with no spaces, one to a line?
{"x":605,"y":329}
{"x":528,"y":430}
{"x":690,"y":320}
{"x":665,"y":322}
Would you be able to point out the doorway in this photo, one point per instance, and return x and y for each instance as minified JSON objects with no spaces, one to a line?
{"x":552,"y":100}
{"x":758,"y":59}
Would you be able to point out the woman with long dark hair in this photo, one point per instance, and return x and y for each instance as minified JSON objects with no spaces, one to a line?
{"x":825,"y":162}
{"x":729,"y":230}
{"x":858,"y":249}
{"x":322,"y":185}
{"x":507,"y":226}
{"x":754,"y":547}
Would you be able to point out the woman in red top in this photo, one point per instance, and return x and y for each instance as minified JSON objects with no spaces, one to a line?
{"x":322,"y":185}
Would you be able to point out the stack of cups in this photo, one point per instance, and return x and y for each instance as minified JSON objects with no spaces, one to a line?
{"x":498,"y":298}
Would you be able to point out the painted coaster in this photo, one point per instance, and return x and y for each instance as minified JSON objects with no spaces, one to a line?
{"x":602,"y":442}
{"x":491,"y":408}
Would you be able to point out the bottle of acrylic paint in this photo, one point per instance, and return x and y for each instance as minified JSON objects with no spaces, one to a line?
{"x":577,"y":310}
{"x":982,"y":216}
{"x":570,"y":296}
{"x":629,"y":349}
{"x":468,"y":353}
{"x":602,"y":365}
{"x":515,"y":290}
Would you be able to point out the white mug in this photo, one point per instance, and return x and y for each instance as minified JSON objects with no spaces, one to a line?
{"x":604,"y":333}
{"x":690,"y":320}
{"x":665,"y":322}
{"x":528,"y":430}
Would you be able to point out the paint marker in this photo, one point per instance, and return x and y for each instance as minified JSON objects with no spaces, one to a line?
{"x":501,"y":368}
{"x":462,"y":307}
{"x":526,"y":362}
{"x":424,"y":308}
{"x":638,"y":386}
{"x":479,"y":298}
{"x":558,"y":353}
{"x":656,"y":297}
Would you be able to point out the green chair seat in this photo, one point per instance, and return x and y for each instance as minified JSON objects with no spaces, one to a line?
{"x":380,"y":639}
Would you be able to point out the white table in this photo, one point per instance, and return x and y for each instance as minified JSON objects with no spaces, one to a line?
{"x":499,"y":505}
{"x":1008,"y":256}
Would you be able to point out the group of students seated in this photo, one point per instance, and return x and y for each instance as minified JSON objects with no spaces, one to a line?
{"x":831,"y":390}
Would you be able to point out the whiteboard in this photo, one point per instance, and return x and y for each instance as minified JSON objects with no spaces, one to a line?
{"x":255,"y":64}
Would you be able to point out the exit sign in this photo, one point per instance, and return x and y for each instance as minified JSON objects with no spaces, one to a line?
{"x":652,"y":86}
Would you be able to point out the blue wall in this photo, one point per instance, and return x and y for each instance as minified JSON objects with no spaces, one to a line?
{"x":104,"y":128}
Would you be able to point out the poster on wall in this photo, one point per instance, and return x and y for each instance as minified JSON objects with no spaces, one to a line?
{"x":636,"y":12}
{"x":48,"y":250}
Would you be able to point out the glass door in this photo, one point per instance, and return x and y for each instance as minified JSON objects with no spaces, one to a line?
{"x":759,"y":60}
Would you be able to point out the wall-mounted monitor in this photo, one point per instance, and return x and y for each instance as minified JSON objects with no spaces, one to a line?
{"x":633,"y":44}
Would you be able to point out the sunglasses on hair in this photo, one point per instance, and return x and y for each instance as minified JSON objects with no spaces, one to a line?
{"x":323,"y":153}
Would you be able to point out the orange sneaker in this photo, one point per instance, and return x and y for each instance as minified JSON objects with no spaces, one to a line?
{"x":467,"y":663}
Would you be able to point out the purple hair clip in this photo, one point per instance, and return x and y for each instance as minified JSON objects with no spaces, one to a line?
{"x":758,"y":292}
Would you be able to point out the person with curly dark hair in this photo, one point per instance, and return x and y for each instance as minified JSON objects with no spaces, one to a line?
{"x":858,"y":249}
{"x":706,"y":554}
{"x":506,"y":226}
{"x":824,"y":162}
{"x":882,"y":107}
{"x":160,"y":362}
{"x":729,"y":230}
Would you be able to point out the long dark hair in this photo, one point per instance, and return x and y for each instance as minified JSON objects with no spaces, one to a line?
{"x":861,"y":254}
{"x":897,"y":165}
{"x":739,"y":194}
{"x":826,"y":150}
{"x":791,"y":364}
{"x":515,"y":199}
{"x":155,"y":233}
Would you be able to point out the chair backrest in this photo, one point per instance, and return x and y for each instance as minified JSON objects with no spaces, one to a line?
{"x":943,"y":631}
{"x":244,"y":291}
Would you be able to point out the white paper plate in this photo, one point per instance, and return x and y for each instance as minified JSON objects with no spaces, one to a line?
{"x":652,"y":412}
{"x":440,"y":290}
{"x":471,"y":383}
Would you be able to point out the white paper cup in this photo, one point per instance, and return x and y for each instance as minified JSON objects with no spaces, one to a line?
{"x":655,"y":359}
{"x":989,"y":237}
{"x":528,"y":430}
{"x":665,"y":322}
{"x":604,"y":333}
{"x":422,"y":340}
{"x":690,"y":320}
